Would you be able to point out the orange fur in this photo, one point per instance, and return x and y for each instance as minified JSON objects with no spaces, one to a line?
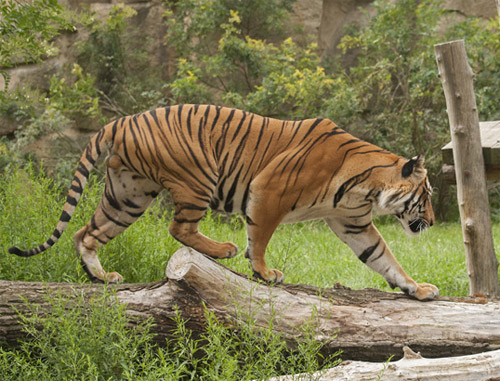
{"x":272,"y":171}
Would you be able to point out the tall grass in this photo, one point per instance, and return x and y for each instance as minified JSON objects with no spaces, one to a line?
{"x":96,"y":342}
{"x":92,"y":341}
{"x":30,"y":206}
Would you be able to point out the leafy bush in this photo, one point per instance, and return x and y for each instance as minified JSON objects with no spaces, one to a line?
{"x":223,"y":58}
{"x":79,"y":338}
{"x":79,"y":100}
{"x":91,"y":339}
{"x":27,"y":30}
{"x":118,"y":57}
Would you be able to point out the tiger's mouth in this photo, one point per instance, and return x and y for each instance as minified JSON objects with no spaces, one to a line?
{"x":418,"y":225}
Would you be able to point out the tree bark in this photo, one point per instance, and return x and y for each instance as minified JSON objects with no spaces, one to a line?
{"x":366,"y":324}
{"x":456,"y":78}
{"x":498,"y":9}
{"x":483,"y":366}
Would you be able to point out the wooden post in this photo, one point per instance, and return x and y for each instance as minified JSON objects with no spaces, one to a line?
{"x":498,"y":8}
{"x":456,"y":78}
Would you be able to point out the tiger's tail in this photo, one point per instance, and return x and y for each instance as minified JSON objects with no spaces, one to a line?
{"x":102,"y":140}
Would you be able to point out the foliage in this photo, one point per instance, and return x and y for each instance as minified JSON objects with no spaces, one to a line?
{"x":91,"y":338}
{"x":27,"y":30}
{"x":119,"y":59}
{"x":104,"y":51}
{"x":401,"y":105}
{"x":223,"y":58}
{"x":483,"y":51}
{"x":79,"y":338}
{"x":77,"y":100}
{"x":195,"y":26}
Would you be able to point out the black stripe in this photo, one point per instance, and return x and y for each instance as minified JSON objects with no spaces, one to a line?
{"x":348,"y":142}
{"x":112,"y":201}
{"x":114,"y":130}
{"x":245,"y":199}
{"x":316,"y":122}
{"x":365,"y":255}
{"x":98,"y":239}
{"x":183,"y":207}
{"x":71,"y":200}
{"x":57,"y":234}
{"x":93,"y":224}
{"x":228,"y":207}
{"x":119,"y":223}
{"x":214,"y":204}
{"x":355,"y":180}
{"x":89,"y":157}
{"x":134,"y":215}
{"x":125,"y":147}
{"x":186,"y":221}
{"x":83,"y":170}
{"x":65,"y":217}
{"x":356,"y":229}
{"x":78,"y":187}
{"x":130,"y":203}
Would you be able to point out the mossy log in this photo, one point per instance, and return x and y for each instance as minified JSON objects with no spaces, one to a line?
{"x":366,"y":324}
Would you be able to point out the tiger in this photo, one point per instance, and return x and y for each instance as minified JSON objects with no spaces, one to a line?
{"x":268,"y":170}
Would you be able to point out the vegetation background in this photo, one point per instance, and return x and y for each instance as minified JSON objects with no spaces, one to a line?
{"x":381,"y":86}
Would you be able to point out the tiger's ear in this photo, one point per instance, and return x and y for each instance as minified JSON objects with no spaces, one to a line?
{"x":414,"y":165}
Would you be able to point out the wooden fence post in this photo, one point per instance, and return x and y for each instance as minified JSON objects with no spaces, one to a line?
{"x":498,"y":8}
{"x":456,"y":78}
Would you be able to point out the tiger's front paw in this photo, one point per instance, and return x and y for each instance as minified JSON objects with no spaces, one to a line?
{"x":114,"y":277}
{"x":220,"y":250}
{"x":270,"y":276}
{"x":426,"y":291}
{"x":230,"y":249}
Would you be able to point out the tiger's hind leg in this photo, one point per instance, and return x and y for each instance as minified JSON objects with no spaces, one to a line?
{"x":189,"y":210}
{"x":126,"y":196}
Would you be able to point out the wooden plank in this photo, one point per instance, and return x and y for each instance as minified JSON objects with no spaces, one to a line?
{"x":448,"y":172}
{"x":490,"y":141}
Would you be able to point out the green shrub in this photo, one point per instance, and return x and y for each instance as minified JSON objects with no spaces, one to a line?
{"x":91,"y":339}
{"x":223,"y":57}
{"x":27,"y":30}
{"x":77,"y":99}
{"x":118,"y":56}
{"x":79,"y":338}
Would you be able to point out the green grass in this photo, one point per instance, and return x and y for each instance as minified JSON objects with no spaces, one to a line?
{"x":307,"y":252}
{"x":30,"y":206}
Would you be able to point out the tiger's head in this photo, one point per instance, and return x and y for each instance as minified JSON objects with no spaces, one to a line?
{"x":409,"y":197}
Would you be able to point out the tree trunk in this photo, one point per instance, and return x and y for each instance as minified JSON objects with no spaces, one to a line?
{"x":366,"y":324}
{"x":483,"y":366}
{"x":456,"y":77}
{"x":498,"y":8}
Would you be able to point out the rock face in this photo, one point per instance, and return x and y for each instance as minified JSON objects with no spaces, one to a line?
{"x":149,"y":20}
{"x":322,"y":19}
{"x":336,"y":14}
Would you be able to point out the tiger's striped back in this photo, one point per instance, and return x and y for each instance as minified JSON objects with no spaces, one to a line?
{"x":272,"y":171}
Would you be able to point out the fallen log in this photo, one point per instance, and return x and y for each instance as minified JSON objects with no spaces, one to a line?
{"x":366,"y":324}
{"x":478,"y":367}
